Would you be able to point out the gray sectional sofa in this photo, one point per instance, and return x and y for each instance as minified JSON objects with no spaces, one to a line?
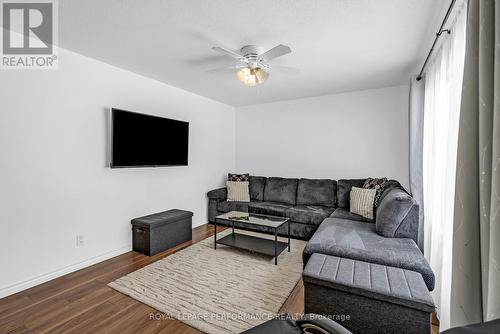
{"x":319,"y":212}
{"x":306,"y":202}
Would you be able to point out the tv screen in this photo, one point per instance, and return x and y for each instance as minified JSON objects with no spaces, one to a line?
{"x":140,"y":140}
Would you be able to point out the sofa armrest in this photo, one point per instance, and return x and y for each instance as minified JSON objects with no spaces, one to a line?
{"x":218,"y":194}
{"x":397,"y":215}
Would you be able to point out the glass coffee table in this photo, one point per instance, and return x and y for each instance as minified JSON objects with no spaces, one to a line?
{"x":250,"y":242}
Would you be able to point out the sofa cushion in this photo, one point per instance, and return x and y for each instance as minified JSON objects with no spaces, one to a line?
{"x":346,"y":214}
{"x":226,"y":206}
{"x":392,"y":210}
{"x":257,"y":184}
{"x":389,"y":185}
{"x":316,"y":192}
{"x":359,"y":241}
{"x":344,"y":191}
{"x":280,"y":190}
{"x":309,"y":214}
{"x":269,"y":208}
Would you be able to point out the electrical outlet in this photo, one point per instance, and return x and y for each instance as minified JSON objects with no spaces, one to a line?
{"x":79,"y":241}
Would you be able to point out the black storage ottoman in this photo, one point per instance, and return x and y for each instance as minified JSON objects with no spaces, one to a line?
{"x":155,"y":233}
{"x":372,"y":298}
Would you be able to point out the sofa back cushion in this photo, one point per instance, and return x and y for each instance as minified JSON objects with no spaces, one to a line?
{"x":396,"y":215}
{"x":389,"y":185}
{"x":344,"y":191}
{"x":257,"y":184}
{"x":317,"y":192}
{"x":281,"y":190}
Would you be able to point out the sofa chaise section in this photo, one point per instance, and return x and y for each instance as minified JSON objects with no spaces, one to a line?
{"x":359,"y":240}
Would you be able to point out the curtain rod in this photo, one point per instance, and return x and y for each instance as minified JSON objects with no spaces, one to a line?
{"x":438,"y":34}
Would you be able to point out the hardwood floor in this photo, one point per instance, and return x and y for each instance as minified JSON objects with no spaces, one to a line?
{"x":81,"y":302}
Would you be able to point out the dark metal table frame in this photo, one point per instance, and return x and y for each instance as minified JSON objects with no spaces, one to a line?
{"x":247,"y":241}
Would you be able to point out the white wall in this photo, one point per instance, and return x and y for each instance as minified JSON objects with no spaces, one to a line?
{"x":350,"y":135}
{"x":55,"y":183}
{"x":54,"y":180}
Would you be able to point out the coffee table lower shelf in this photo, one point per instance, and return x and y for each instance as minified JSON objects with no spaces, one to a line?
{"x":253,"y":244}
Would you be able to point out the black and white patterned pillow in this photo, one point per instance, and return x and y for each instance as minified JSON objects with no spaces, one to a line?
{"x":377,"y":184}
{"x":238,"y":177}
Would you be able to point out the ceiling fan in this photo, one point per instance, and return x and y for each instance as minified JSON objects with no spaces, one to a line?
{"x":253,"y":65}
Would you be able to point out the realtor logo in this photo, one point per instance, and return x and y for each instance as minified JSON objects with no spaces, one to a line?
{"x":29,"y":34}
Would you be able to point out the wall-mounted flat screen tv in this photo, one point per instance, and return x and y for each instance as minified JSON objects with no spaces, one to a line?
{"x":140,"y":140}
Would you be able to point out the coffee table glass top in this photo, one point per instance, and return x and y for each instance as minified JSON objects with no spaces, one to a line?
{"x":253,"y":218}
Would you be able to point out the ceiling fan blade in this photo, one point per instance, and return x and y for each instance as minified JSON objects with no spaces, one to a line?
{"x":286,"y":69}
{"x":227,"y":52}
{"x":276,"y":52}
{"x":225,"y":69}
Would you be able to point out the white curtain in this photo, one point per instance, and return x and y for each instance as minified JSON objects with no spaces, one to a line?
{"x":417,"y":98}
{"x":443,"y":84}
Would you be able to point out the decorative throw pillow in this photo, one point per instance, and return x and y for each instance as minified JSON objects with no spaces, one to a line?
{"x":237,"y":191}
{"x":362,"y":201}
{"x":238,"y":177}
{"x":378,"y":185}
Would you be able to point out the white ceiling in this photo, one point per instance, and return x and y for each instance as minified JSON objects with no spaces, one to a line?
{"x":338,"y":45}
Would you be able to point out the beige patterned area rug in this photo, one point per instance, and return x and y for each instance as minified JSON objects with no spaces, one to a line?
{"x":216,"y":291}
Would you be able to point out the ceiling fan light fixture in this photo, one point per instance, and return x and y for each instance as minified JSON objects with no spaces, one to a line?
{"x":252,"y":76}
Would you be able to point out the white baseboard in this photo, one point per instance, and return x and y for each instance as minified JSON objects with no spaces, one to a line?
{"x":15,"y":288}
